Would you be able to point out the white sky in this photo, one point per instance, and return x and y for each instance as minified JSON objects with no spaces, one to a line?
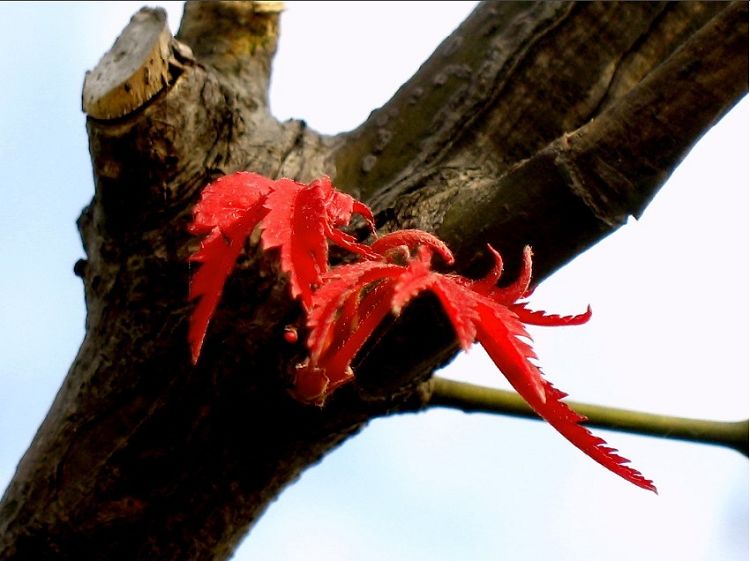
{"x":669,"y":333}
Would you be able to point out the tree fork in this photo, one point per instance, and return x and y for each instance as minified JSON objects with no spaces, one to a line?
{"x":142,"y":455}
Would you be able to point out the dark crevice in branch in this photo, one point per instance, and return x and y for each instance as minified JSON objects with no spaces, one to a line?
{"x":617,"y":66}
{"x":673,"y":26}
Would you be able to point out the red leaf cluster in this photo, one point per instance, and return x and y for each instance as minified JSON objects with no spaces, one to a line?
{"x":295,"y":218}
{"x":345,"y":304}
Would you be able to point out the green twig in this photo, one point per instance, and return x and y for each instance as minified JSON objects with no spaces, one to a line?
{"x":480,"y":399}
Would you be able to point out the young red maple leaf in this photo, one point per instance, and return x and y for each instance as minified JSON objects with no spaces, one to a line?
{"x":354,"y":299}
{"x":300,"y":219}
{"x":345,"y":305}
{"x":229,"y":210}
{"x":295,"y":218}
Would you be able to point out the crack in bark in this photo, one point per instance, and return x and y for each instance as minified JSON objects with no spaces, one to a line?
{"x":293,"y":149}
{"x":618,"y":65}
{"x":462,"y":112}
{"x":587,"y":191}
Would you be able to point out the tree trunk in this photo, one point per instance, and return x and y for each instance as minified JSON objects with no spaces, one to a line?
{"x":534,"y":123}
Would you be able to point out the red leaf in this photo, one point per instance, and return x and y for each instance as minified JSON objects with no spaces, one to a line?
{"x":340,"y":320}
{"x":489,"y":282}
{"x":499,"y":331}
{"x":412,"y":239}
{"x":567,"y":422}
{"x":295,"y":223}
{"x":300,"y":218}
{"x":339,"y":285}
{"x":460,"y":310}
{"x":294,"y":217}
{"x":339,"y":210}
{"x":374,"y":307}
{"x":346,"y":304}
{"x":517,"y":289}
{"x":538,"y":317}
{"x":477,"y":310}
{"x":227,"y":200}
{"x":313,"y":384}
{"x":228,"y":211}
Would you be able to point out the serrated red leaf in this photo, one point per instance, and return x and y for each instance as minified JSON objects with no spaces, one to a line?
{"x":313,"y":384}
{"x":477,"y":311}
{"x":339,"y":210}
{"x":488,"y":283}
{"x":294,"y":224}
{"x":418,"y":277}
{"x":338,"y":287}
{"x":538,"y":317}
{"x":374,"y":306}
{"x":502,"y":335}
{"x":517,"y":289}
{"x":229,"y":210}
{"x":299,"y":220}
{"x":567,"y":422}
{"x":226,"y":200}
{"x":411,"y":240}
{"x":341,"y":319}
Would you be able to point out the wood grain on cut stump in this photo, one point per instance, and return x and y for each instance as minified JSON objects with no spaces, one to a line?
{"x":133,"y":71}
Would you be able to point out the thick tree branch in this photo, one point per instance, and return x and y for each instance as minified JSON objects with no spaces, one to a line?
{"x":238,"y":39}
{"x":495,"y":88}
{"x":576,"y":190}
{"x":613,"y":165}
{"x":471,"y":398}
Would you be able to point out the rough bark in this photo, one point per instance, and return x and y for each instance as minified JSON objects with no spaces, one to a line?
{"x":541,"y":123}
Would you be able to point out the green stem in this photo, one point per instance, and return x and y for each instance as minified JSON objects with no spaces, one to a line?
{"x":480,"y":399}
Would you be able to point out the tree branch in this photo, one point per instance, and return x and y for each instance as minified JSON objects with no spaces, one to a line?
{"x":238,"y":39}
{"x":574,"y":191}
{"x":608,"y":169}
{"x":471,"y":398}
{"x":134,"y":70}
{"x":494,"y":88}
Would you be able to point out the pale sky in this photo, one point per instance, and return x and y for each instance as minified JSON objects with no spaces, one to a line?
{"x":669,"y":332}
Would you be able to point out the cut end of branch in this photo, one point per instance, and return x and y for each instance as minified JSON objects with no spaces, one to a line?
{"x":268,"y":6}
{"x":133,"y":71}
